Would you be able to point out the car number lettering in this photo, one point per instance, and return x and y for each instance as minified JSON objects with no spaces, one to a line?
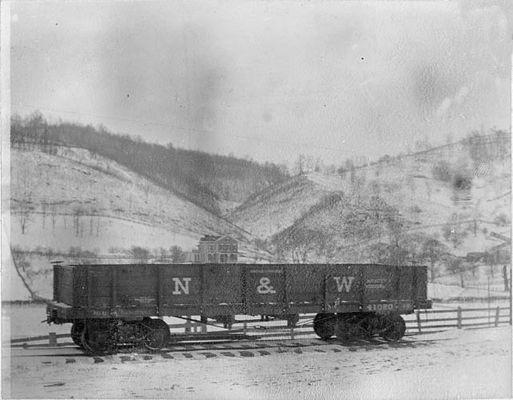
{"x":380,"y":307}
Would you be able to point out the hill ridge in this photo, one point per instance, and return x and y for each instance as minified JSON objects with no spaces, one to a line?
{"x":426,"y":201}
{"x":202,"y":178}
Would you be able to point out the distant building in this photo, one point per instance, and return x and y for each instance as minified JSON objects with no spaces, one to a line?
{"x":192,"y":256}
{"x":500,"y":254}
{"x":217,"y":249}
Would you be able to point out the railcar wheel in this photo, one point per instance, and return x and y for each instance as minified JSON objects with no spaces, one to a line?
{"x":156,"y":334}
{"x":324,"y":325}
{"x":345,"y":329}
{"x":350,"y":327}
{"x":98,"y":339}
{"x":366,"y":326}
{"x":76,"y":332}
{"x":395,"y":327}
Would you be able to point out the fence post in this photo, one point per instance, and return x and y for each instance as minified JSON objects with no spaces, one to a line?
{"x":510,"y":295}
{"x":419,"y":327}
{"x":53,"y":338}
{"x":510,"y":305}
{"x":204,"y":321}
{"x":245,"y":328}
{"x":292,"y":333}
{"x":497,"y":311}
{"x":459,"y":318}
{"x":188,"y":325}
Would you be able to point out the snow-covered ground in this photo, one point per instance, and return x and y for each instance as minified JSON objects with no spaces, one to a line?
{"x":102,"y":233}
{"x":453,"y":364}
{"x":78,"y":198}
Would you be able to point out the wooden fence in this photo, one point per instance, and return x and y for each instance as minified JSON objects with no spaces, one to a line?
{"x":428,"y":320}
{"x":420,"y":322}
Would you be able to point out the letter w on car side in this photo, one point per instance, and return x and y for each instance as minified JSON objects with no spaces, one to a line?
{"x":344,"y":283}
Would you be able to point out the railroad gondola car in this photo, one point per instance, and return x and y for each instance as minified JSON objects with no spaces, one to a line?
{"x":112,"y":304}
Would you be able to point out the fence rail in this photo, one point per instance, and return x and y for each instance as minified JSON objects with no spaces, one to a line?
{"x":420,"y":322}
{"x":486,"y":316}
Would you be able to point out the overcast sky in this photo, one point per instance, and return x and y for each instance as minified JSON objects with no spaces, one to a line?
{"x":268,"y":79}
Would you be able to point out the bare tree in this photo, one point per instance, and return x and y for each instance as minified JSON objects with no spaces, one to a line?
{"x":98,"y":225}
{"x":44,"y":206}
{"x":77,"y":221}
{"x":449,"y":138}
{"x":505,"y":277}
{"x":410,"y":182}
{"x":24,"y":203}
{"x":177,"y":254}
{"x":300,"y":164}
{"x":429,"y":190}
{"x":326,"y":246}
{"x":432,"y":251}
{"x":140,"y":254}
{"x":53,"y":212}
{"x":457,"y":266}
{"x":24,"y":213}
{"x":146,"y":190}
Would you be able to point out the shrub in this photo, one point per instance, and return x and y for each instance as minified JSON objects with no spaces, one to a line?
{"x":441,"y":171}
{"x":501,"y":220}
{"x":462,"y":181}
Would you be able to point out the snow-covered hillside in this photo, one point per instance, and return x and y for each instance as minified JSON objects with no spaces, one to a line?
{"x":424,"y":201}
{"x":74,"y":197}
{"x":77,"y":199}
{"x":278,"y":207}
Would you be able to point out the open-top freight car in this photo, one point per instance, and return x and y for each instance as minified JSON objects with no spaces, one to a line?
{"x":113,"y":304}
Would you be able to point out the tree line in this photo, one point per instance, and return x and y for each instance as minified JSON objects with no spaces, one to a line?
{"x":197,"y":176}
{"x":173,"y":254}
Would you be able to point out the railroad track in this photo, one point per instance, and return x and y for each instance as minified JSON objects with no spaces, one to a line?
{"x":196,"y":350}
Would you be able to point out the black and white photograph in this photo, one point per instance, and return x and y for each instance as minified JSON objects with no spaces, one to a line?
{"x":256,"y":199}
